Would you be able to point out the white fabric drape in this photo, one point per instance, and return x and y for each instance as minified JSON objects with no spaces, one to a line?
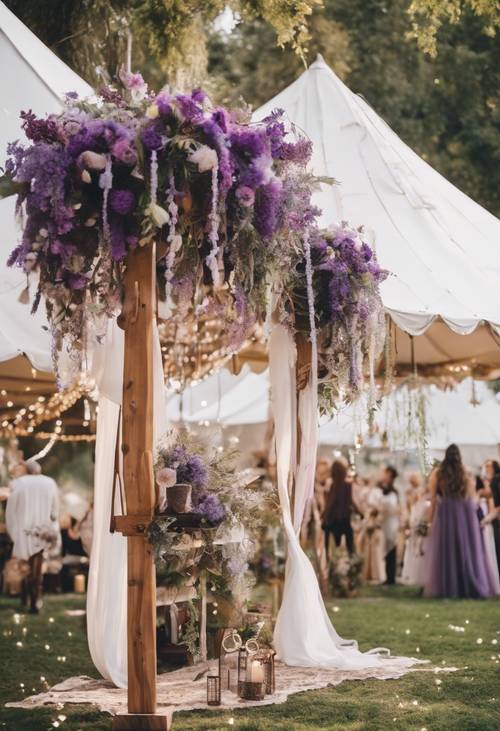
{"x":304,"y":635}
{"x":107,"y":590}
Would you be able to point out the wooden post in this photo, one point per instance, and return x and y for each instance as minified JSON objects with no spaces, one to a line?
{"x":139,"y":485}
{"x":302,"y":371}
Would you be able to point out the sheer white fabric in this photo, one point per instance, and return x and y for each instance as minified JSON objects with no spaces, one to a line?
{"x":107,"y":590}
{"x":304,"y":635}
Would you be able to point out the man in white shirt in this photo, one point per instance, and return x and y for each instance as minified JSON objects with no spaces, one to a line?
{"x":32,"y":523}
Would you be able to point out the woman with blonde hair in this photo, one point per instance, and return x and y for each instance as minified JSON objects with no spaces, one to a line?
{"x":457,"y":560}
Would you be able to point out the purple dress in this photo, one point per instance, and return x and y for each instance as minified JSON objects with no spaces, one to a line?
{"x":456,"y":557}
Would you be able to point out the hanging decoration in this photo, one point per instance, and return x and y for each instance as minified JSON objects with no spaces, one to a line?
{"x":228,"y":205}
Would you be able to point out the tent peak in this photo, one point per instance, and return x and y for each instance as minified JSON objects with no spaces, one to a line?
{"x":319,"y":63}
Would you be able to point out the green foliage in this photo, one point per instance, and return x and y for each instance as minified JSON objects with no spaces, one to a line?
{"x":168,"y":36}
{"x":8,"y":187}
{"x":446,"y":108}
{"x":465,"y":700}
{"x":428,"y":17}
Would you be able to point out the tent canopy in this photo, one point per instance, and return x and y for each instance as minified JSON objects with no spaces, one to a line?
{"x":33,"y":78}
{"x":441,"y":247}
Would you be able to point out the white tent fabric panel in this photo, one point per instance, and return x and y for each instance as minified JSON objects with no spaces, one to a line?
{"x":442,"y":248}
{"x":241,"y":399}
{"x":32,"y":78}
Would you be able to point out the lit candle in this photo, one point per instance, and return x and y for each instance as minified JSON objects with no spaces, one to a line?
{"x":256,"y":672}
{"x":79,"y":584}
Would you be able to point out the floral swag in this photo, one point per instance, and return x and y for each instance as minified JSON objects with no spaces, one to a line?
{"x":228,"y":204}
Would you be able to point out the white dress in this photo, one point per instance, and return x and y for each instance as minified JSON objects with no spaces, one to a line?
{"x":414,"y":563}
{"x":32,"y":514}
{"x":389,"y":506}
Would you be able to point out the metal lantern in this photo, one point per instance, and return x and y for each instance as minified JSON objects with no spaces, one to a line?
{"x":269,"y":672}
{"x":213,"y":690}
{"x":242,"y":664}
{"x":251,"y":677}
{"x":229,"y":659}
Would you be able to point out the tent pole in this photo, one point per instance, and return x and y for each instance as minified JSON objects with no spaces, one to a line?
{"x":139,"y":485}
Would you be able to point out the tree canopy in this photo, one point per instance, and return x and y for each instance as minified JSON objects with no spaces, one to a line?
{"x":445,"y":104}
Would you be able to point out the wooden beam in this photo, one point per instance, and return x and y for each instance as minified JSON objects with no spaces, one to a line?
{"x":139,"y":486}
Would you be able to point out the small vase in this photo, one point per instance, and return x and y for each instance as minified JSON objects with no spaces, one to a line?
{"x":179,"y":498}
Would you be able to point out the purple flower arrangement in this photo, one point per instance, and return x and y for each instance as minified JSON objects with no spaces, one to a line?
{"x":107,"y":175}
{"x":230,"y":202}
{"x":348,"y":310}
{"x":195,"y":463}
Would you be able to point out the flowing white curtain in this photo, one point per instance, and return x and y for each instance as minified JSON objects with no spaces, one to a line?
{"x":107,"y":591}
{"x":304,"y":635}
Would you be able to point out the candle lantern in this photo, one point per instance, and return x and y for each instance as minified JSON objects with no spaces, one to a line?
{"x":251,"y":680}
{"x":229,"y":659}
{"x":79,"y":584}
{"x":213,"y":690}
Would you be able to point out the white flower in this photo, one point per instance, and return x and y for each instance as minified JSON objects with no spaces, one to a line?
{"x":158,"y":214}
{"x":166,"y":477}
{"x":205,"y":158}
{"x":176,"y":243}
{"x":92,"y":160}
{"x":152,"y":111}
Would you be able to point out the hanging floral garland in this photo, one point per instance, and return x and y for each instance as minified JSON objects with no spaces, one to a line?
{"x":227,"y":202}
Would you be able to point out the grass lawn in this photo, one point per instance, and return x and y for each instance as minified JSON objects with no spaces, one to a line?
{"x":467,"y":700}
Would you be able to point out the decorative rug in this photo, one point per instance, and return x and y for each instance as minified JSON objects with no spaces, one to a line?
{"x":183,"y":690}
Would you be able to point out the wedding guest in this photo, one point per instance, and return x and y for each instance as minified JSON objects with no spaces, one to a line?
{"x":492,"y":486}
{"x":390,"y":521}
{"x":458,"y":566}
{"x":31,"y":517}
{"x":339,"y":507}
{"x":415,"y":556}
{"x":321,"y":482}
{"x":372,"y":542}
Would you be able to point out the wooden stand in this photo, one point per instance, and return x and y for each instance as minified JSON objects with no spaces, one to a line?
{"x":139,"y":486}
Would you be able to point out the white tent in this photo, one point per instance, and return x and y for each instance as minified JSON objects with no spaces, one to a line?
{"x":442,"y":248}
{"x":32,"y":78}
{"x":240,"y":405}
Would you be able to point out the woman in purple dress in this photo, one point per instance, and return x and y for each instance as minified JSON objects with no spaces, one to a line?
{"x":456,"y":556}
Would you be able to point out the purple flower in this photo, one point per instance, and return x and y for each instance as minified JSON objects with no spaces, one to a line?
{"x":245,"y":196}
{"x":221,"y":119}
{"x":118,"y":239}
{"x":188,"y":108}
{"x":132,"y":81}
{"x":38,"y":130}
{"x":77,"y":281}
{"x":112,"y":96}
{"x":163,"y":102}
{"x":267,"y":205}
{"x":124,"y":151}
{"x":198,"y":95}
{"x":151,"y":137}
{"x":211,"y":508}
{"x":122,"y":201}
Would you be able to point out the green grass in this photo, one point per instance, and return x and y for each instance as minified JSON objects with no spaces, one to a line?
{"x":468,"y":700}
